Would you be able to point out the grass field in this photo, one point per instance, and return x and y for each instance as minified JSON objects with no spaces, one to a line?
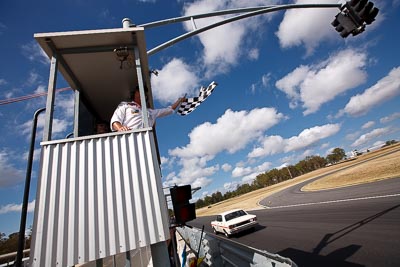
{"x":370,"y":167}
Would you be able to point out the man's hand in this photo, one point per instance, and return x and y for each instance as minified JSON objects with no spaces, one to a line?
{"x":117,"y":126}
{"x":178,"y":102}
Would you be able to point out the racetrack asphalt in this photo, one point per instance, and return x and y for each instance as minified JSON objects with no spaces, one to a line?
{"x":293,"y":196}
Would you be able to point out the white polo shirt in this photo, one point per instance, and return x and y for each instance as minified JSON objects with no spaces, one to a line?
{"x":129,"y":114}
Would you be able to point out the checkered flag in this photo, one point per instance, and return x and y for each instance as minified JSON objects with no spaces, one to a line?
{"x":192,"y":103}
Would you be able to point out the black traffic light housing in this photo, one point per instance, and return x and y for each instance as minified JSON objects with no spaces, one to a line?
{"x":354,"y":16}
{"x":183,"y":210}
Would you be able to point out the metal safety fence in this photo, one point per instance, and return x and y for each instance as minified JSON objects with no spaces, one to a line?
{"x":217,"y":251}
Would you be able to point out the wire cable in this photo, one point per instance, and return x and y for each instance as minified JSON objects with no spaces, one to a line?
{"x":27,"y":97}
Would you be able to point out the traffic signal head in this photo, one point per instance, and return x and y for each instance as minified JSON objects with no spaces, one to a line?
{"x":362,"y":10}
{"x":354,"y":16}
{"x":183,"y":210}
{"x":344,"y":25}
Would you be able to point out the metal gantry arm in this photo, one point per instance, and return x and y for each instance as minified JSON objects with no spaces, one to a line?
{"x":201,"y":16}
{"x":248,"y":12}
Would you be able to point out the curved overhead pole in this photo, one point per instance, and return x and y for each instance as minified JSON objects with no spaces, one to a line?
{"x":250,"y":12}
{"x":201,"y":16}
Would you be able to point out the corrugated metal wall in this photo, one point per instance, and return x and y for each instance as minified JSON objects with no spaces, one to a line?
{"x":97,"y":197}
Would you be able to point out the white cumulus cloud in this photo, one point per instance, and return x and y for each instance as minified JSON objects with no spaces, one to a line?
{"x":370,"y":136}
{"x":231,"y":186}
{"x":34,"y":52}
{"x":241,"y":171}
{"x":59,"y":127}
{"x":275,"y":144}
{"x":308,"y":27}
{"x":232,"y":132}
{"x":9,"y":174}
{"x":16,"y":207}
{"x":384,"y":90}
{"x":368,"y":124}
{"x":315,"y":85}
{"x":248,"y":174}
{"x":390,"y":118}
{"x":226,"y":167}
{"x":174,"y":80}
{"x":224,"y":45}
{"x":193,"y":171}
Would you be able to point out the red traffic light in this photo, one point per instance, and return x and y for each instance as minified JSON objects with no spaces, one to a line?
{"x":183,"y":210}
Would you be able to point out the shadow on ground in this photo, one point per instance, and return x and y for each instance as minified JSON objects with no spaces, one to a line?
{"x":336,"y":258}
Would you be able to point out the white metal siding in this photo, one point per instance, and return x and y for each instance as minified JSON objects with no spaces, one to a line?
{"x":97,"y":197}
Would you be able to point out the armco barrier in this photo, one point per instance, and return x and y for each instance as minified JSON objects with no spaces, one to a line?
{"x":218,"y":251}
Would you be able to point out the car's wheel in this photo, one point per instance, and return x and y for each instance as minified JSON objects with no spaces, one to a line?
{"x":226,"y":234}
{"x":215,"y":231}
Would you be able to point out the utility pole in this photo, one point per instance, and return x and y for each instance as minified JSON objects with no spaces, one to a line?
{"x":291,"y":177}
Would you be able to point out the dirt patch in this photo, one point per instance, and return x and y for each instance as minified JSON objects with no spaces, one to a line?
{"x":369,"y":167}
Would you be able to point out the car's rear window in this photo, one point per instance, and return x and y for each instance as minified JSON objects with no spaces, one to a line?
{"x":234,"y":215}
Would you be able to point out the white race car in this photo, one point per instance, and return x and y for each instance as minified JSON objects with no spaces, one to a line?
{"x":233,"y":221}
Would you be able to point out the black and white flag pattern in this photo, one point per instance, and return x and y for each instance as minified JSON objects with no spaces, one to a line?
{"x":193,"y":102}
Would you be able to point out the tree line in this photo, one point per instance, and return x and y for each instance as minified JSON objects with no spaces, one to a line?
{"x":10,"y":244}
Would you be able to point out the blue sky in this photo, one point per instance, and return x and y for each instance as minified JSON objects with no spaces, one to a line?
{"x":289,"y":87}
